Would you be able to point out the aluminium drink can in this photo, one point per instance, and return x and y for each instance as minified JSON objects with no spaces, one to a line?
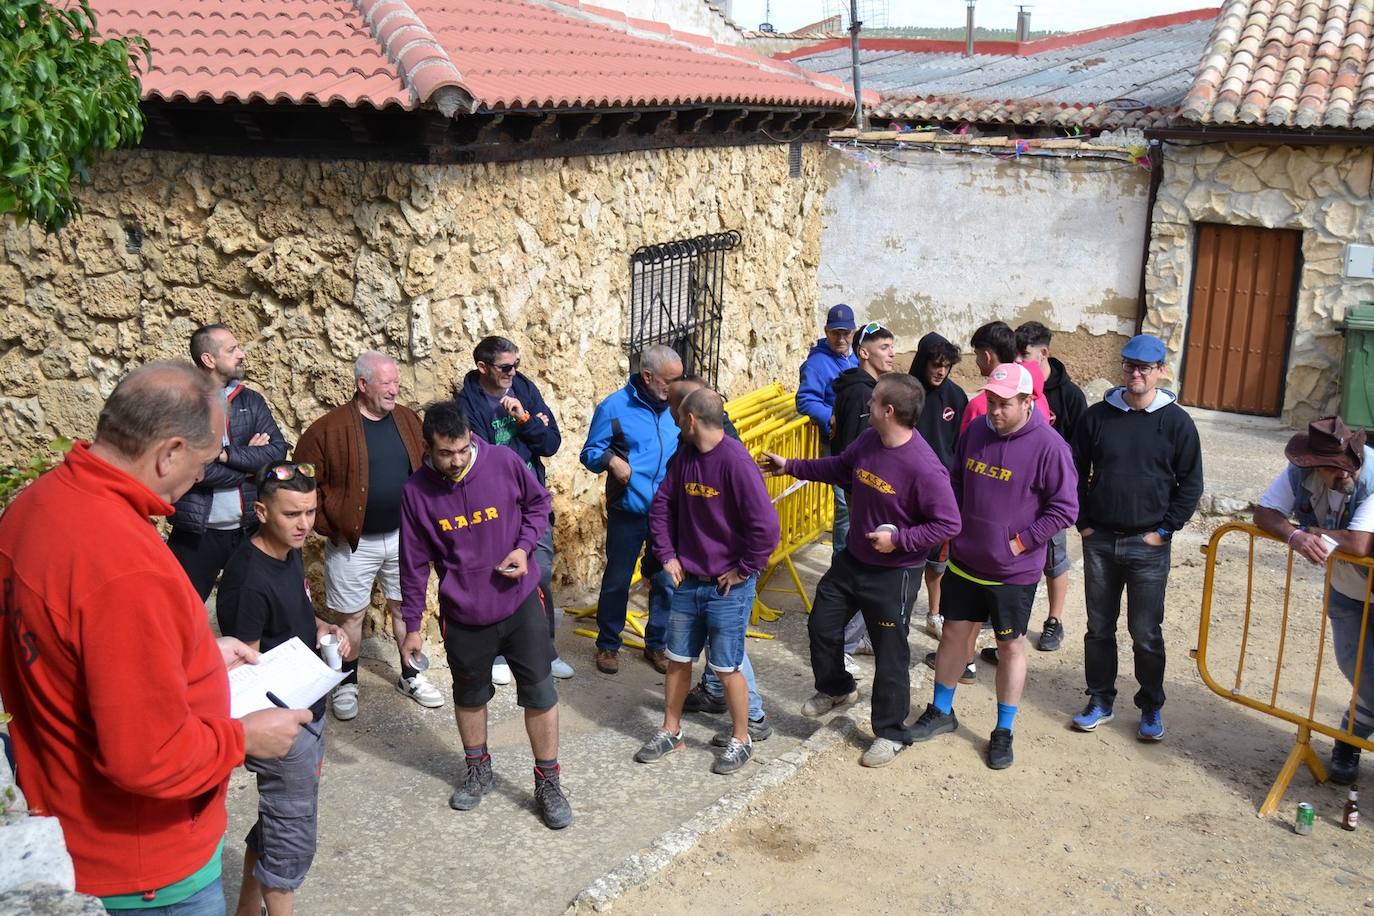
{"x":1307,"y":815}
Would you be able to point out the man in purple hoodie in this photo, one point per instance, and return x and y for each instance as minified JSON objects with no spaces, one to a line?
{"x":1017,"y":488}
{"x":713,"y":528}
{"x":475,"y":512}
{"x":901,"y":506}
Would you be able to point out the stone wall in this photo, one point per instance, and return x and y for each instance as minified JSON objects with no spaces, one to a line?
{"x":311,"y":263}
{"x":1324,"y":191}
{"x":946,"y":241}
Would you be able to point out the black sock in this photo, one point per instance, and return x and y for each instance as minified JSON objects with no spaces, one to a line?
{"x":545,"y":768}
{"x":350,"y":672}
{"x":407,"y":672}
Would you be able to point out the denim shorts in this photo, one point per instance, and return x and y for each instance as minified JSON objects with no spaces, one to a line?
{"x":701,"y":617}
{"x":1057,"y":555}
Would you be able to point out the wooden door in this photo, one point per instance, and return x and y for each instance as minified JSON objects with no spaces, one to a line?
{"x":1240,"y":318}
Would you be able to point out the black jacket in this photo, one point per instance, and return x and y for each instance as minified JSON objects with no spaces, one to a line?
{"x":248,"y":415}
{"x":1138,"y":470}
{"x":945,"y":403}
{"x":853,"y":388}
{"x":534,"y":440}
{"x":1067,"y":401}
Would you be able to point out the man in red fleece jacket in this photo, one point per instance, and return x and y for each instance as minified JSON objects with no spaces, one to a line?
{"x":475,"y":512}
{"x":118,"y":690}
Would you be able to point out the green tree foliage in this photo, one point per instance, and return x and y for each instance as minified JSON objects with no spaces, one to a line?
{"x":67,"y":94}
{"x":15,"y":478}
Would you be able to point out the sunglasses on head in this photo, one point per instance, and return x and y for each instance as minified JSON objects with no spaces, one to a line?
{"x":867,"y":331}
{"x":287,"y":470}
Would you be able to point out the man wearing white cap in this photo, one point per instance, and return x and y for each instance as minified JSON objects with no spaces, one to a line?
{"x":1016,"y":488}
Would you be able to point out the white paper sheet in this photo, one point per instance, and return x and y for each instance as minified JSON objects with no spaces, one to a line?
{"x":291,"y":671}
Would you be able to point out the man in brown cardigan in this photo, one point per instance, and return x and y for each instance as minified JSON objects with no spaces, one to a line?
{"x":363,"y":453}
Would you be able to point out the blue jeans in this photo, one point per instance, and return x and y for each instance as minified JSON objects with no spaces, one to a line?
{"x":1113,"y":563}
{"x":626,"y":533}
{"x":711,"y":685}
{"x":1346,"y":614}
{"x":840,"y":530}
{"x":208,"y":901}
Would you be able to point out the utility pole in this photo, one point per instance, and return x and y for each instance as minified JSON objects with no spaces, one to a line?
{"x":968,"y":30}
{"x":860,"y":119}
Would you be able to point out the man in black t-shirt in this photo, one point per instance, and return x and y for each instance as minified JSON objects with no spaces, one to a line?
{"x":264,"y":601}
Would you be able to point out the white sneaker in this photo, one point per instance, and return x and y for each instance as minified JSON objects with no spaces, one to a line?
{"x":865,"y":646}
{"x":421,"y":691}
{"x":850,"y":665}
{"x":935,"y":625}
{"x":345,"y":702}
{"x":561,"y":669}
{"x":500,"y":674}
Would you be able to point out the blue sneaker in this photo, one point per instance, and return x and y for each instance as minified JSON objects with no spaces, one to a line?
{"x":1151,"y":726}
{"x":1092,"y":716}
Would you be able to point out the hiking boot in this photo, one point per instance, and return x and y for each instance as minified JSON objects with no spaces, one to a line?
{"x":733,"y":758}
{"x":989,"y":655}
{"x":607,"y":661}
{"x":881,"y":752}
{"x":1093,"y":715}
{"x":759,"y":730}
{"x":659,"y":746}
{"x":553,"y":805}
{"x":1345,"y":764}
{"x":421,"y":691}
{"x":1151,"y":726}
{"x":999,"y":749}
{"x":822,"y":703}
{"x":1051,"y":635}
{"x":698,"y":700}
{"x":657,"y":659}
{"x":970,"y":675}
{"x":477,"y":782}
{"x":932,"y":723}
{"x":935,"y":625}
{"x":345,"y":701}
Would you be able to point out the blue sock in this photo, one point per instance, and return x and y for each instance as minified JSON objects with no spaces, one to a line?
{"x":1005,"y":716}
{"x":944,"y":698}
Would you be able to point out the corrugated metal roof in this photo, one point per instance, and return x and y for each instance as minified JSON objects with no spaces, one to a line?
{"x":1145,"y":72}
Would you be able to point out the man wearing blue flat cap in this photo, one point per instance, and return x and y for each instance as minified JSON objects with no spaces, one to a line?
{"x":1139,"y":480}
{"x":830,"y":356}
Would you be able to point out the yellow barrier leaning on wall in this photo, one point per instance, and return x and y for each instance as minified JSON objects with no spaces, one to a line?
{"x":766,"y":420}
{"x":1305,"y":720}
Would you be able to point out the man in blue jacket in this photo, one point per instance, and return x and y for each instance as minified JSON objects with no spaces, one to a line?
{"x":505,"y":408}
{"x":830,"y":356}
{"x":215,"y":517}
{"x":631,"y":438}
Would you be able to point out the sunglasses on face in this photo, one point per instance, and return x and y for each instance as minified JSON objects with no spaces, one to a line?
{"x":506,"y":368}
{"x":867,"y":331}
{"x":287,"y":471}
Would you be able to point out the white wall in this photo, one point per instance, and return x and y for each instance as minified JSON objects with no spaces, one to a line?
{"x":695,"y":16}
{"x":948,"y":241}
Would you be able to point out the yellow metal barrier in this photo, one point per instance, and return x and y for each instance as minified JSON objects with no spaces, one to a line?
{"x":1270,"y":704}
{"x":766,"y":420}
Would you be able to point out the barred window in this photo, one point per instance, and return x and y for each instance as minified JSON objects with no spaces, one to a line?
{"x":677,"y":299}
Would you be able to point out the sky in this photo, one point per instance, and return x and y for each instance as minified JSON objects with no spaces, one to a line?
{"x":1064,"y":15}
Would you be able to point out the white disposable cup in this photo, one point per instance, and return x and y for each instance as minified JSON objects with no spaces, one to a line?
{"x":329,"y":648}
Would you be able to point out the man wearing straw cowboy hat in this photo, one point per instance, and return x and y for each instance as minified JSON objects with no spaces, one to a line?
{"x":1326,"y":487}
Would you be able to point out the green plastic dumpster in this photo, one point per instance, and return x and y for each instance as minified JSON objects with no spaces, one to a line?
{"x":1357,"y":378}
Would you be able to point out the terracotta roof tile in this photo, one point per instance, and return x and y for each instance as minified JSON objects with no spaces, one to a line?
{"x":480,"y":54}
{"x":1287,"y":63}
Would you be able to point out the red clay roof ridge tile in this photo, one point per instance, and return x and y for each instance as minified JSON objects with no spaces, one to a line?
{"x":425,"y":67}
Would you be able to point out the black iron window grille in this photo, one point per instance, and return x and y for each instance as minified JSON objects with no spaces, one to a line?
{"x":676,"y":298}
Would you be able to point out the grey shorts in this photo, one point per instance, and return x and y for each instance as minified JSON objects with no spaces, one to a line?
{"x":288,"y":799}
{"x":1057,"y":555}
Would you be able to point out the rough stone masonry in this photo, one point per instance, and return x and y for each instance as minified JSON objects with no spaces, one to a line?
{"x":311,"y":263}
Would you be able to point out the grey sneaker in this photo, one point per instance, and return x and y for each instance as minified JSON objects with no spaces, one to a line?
{"x":659,"y":746}
{"x":477,"y":782}
{"x":1051,"y":635}
{"x":345,"y":702}
{"x":553,"y":805}
{"x":759,"y":730}
{"x":733,"y":758}
{"x":881,"y":752}
{"x":822,"y":703}
{"x":698,"y":700}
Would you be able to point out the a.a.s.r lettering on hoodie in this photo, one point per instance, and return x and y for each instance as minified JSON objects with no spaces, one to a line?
{"x":459,"y":522}
{"x":988,"y":470}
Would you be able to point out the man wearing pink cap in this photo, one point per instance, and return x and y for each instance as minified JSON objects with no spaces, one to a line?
{"x":1016,"y":487}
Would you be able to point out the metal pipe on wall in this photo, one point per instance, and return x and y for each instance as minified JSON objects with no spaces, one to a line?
{"x":860,"y":118}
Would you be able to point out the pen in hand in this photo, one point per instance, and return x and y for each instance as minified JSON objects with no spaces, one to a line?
{"x":278,"y":702}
